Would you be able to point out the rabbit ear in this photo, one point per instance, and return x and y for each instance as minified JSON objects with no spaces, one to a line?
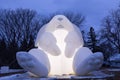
{"x":73,"y":41}
{"x":41,"y":31}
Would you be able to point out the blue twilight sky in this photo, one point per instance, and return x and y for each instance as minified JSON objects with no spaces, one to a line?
{"x":93,"y":10}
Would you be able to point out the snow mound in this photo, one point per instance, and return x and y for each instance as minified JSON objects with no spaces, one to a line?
{"x":115,"y":57}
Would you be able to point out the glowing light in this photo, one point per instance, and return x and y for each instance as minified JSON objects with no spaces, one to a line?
{"x":60,"y":64}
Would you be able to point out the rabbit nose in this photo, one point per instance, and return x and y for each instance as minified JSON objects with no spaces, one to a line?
{"x":60,"y":19}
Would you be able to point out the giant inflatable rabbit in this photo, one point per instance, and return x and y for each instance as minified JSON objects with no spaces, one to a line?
{"x":59,"y":51}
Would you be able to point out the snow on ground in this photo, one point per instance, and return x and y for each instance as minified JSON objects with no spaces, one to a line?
{"x":114,"y":60}
{"x":13,"y":70}
{"x":115,"y":57}
{"x":25,"y":76}
{"x":113,"y":69}
{"x":12,"y":77}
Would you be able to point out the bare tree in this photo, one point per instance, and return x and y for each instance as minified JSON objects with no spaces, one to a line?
{"x":18,"y":25}
{"x":76,"y":18}
{"x":18,"y":29}
{"x":111,"y":30}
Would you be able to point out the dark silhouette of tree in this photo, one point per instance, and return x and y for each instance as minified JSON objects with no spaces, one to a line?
{"x":110,"y":34}
{"x":76,"y":18}
{"x":17,"y":28}
{"x":92,"y":40}
{"x":111,"y":30}
{"x":3,"y":49}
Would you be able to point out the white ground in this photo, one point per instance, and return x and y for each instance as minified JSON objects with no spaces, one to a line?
{"x":25,"y":76}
